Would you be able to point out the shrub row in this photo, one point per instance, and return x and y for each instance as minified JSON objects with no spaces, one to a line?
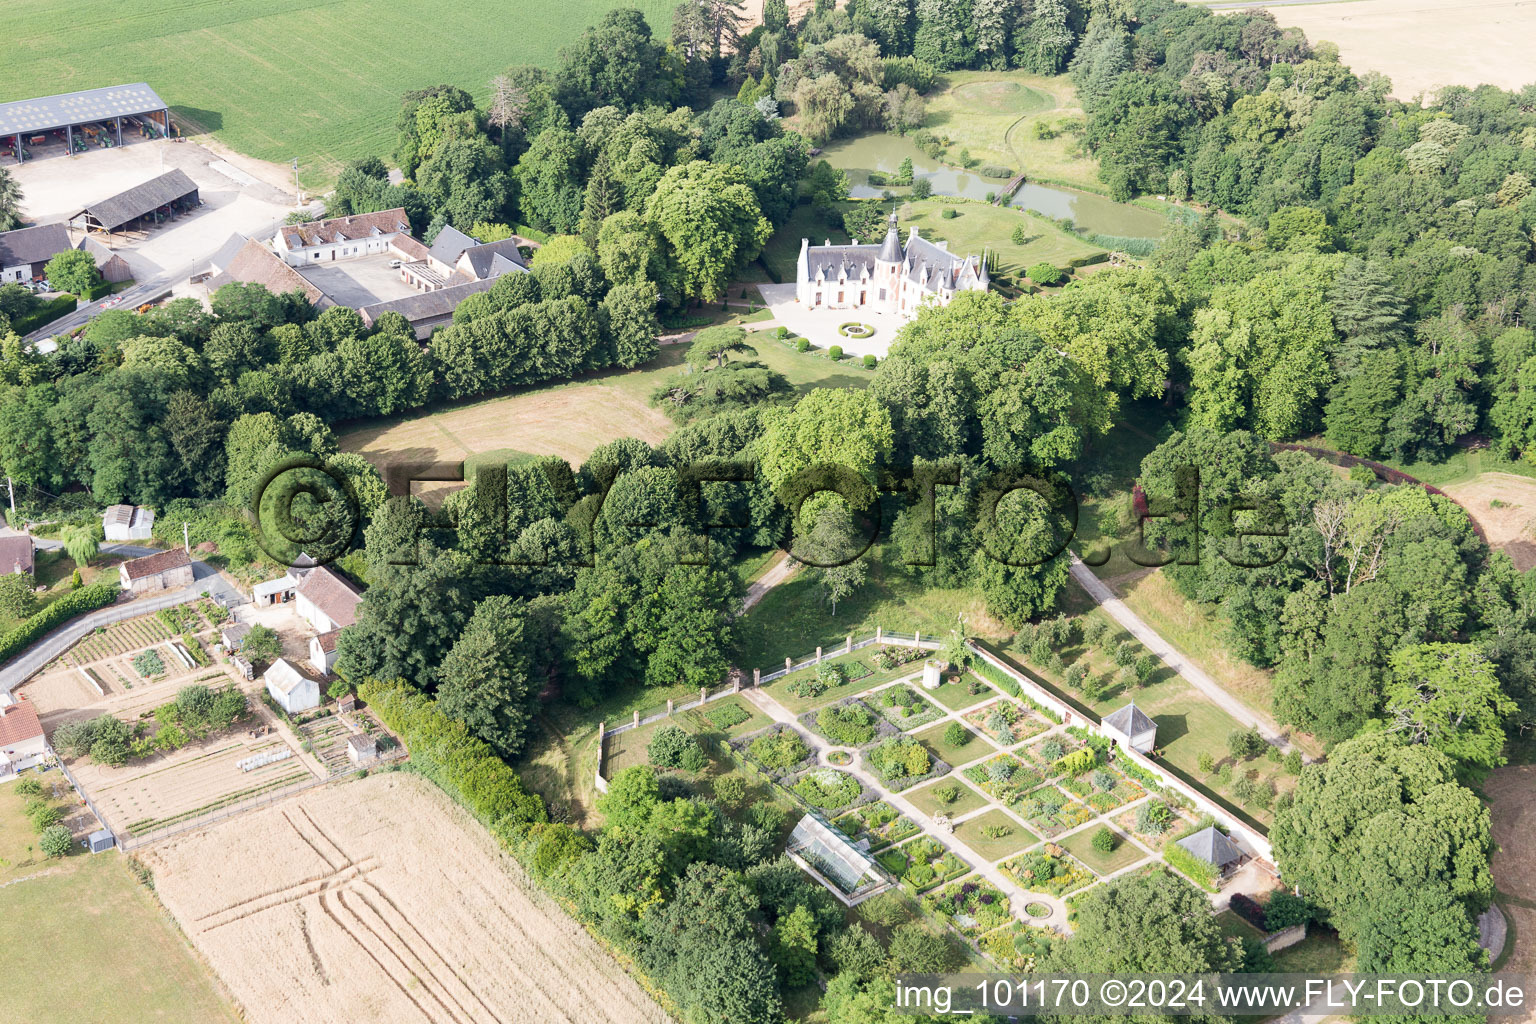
{"x":76,"y":602}
{"x":1122,"y":243}
{"x":45,"y":314}
{"x":461,"y":765}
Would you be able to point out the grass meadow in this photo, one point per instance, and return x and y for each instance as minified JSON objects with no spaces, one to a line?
{"x":319,"y":80}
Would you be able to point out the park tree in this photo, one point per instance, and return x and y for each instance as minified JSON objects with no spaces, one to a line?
{"x":1145,"y":923}
{"x":17,"y":599}
{"x":55,"y":841}
{"x":485,"y":679}
{"x":551,"y":197}
{"x":408,"y":621}
{"x":1448,"y":696}
{"x":262,"y":645}
{"x":465,"y":181}
{"x":794,"y":947}
{"x":81,"y":541}
{"x":74,"y":271}
{"x":849,"y":429}
{"x":631,"y":250}
{"x":709,"y":216}
{"x":615,"y":63}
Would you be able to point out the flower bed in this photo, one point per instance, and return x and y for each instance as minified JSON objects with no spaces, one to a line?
{"x":848,"y":723}
{"x":975,"y":907}
{"x":879,"y":823}
{"x":1006,"y":722}
{"x":1051,"y":812}
{"x":889,"y":657}
{"x":927,"y":863}
{"x":897,"y":760}
{"x":829,"y":789}
{"x":1006,"y":785}
{"x":779,"y":751}
{"x":1017,"y":946}
{"x":903,"y":708}
{"x":841,"y":758}
{"x":1108,"y":789}
{"x":1048,"y":869}
{"x":1044,"y":754}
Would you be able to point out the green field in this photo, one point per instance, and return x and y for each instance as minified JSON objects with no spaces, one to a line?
{"x":319,"y":80}
{"x":993,"y":115}
{"x":89,"y":943}
{"x":979,"y":226}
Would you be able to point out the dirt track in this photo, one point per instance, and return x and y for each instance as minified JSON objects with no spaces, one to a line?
{"x":379,"y":900}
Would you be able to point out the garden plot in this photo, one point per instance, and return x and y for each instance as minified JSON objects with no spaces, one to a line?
{"x":126,"y":637}
{"x":830,"y":790}
{"x":1122,"y":853}
{"x":1103,"y":789}
{"x":967,"y":691}
{"x":1048,"y":869}
{"x":950,"y":741}
{"x":1018,"y":946}
{"x":1051,"y":812}
{"x":1004,"y":777}
{"x":780,"y":751}
{"x":922,"y":864}
{"x":848,"y":723}
{"x":974,"y":906}
{"x":901,"y":762}
{"x":903,"y":708}
{"x":994,"y":835}
{"x":379,"y":900}
{"x":1007,"y":722}
{"x":165,"y":790}
{"x":948,"y":797}
{"x":1153,"y":823}
{"x":879,"y":823}
{"x":326,"y":738}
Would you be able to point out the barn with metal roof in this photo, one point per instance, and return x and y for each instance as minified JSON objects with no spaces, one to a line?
{"x":24,"y":122}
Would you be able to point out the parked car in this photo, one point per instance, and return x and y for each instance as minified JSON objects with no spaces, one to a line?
{"x":395,"y":264}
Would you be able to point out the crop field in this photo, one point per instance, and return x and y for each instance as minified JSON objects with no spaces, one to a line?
{"x":332,"y":907}
{"x":249,"y":70}
{"x":1425,"y":44}
{"x":125,"y":637}
{"x":166,"y":790}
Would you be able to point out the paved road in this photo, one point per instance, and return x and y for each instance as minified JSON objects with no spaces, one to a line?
{"x":36,"y":658}
{"x":1154,"y":642}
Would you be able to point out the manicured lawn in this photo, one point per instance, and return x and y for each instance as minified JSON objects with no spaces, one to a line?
{"x":98,"y":947}
{"x":708,"y":718}
{"x":978,"y":226}
{"x":958,"y":696}
{"x":219,"y":64}
{"x":1234,"y":927}
{"x":927,"y":800}
{"x":792,"y":619}
{"x":1320,"y":952}
{"x":933,"y":738}
{"x":970,"y":832}
{"x":1125,"y":852}
{"x":783,"y":248}
{"x":993,"y":114}
{"x":779,"y":689}
{"x":54,"y":570}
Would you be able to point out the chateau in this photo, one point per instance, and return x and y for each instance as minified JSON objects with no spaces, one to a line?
{"x":885,"y":278}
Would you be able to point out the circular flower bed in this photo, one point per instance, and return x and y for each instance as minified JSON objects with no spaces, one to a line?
{"x":1037,"y":910}
{"x":854,"y":329}
{"x":839,"y":757}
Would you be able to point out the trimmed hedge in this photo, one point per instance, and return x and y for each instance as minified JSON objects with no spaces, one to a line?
{"x":1088,"y":261}
{"x":461,"y":765}
{"x":45,"y":314}
{"x":76,"y":602}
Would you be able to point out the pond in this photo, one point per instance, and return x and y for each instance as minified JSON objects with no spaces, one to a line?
{"x":884,"y":153}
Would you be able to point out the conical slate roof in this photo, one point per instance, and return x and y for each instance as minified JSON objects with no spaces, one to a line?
{"x":1211,"y":846}
{"x":1130,"y":720}
{"x":890,"y":252}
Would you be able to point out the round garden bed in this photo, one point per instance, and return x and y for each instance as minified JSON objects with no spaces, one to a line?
{"x":1037,"y":910}
{"x":839,"y":757}
{"x":854,"y":329}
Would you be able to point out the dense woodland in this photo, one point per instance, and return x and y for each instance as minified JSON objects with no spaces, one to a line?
{"x":1361,"y":271}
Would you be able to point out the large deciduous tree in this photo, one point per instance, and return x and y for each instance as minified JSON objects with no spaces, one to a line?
{"x":485,"y":682}
{"x":712,"y":224}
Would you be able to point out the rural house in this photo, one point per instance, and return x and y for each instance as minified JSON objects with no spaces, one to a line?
{"x":455,"y":259}
{"x":327,"y":599}
{"x":292,"y":690}
{"x":16,"y":554}
{"x":1215,"y":849}
{"x":254,"y":263}
{"x":322,"y":651}
{"x":127,"y":522}
{"x":25,"y":252}
{"x":282,"y":589}
{"x":325,"y":241}
{"x":22,"y":743}
{"x":1131,"y":727}
{"x":164,"y":570}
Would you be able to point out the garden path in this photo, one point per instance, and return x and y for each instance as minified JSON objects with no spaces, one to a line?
{"x":1171,"y":656}
{"x":777,"y":573}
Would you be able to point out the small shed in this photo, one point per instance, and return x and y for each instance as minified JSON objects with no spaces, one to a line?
{"x":347,"y":704}
{"x":127,"y":522}
{"x":101,"y":840}
{"x":1131,"y":727}
{"x":243,"y":666}
{"x":163,"y":570}
{"x":1215,"y":849}
{"x":233,"y":635}
{"x":361,"y":747}
{"x":291,"y":688}
{"x":109,"y":264}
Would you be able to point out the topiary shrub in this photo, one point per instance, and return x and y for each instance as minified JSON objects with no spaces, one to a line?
{"x":869,"y":361}
{"x":803,"y":345}
{"x":957,"y":735}
{"x":947,"y":793}
{"x":1044,"y":274}
{"x":1104,"y":841}
{"x":835,"y":353}
{"x":949,"y":213}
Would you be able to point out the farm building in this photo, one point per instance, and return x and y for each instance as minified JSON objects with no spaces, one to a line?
{"x":127,"y":522}
{"x":254,"y":263}
{"x":109,"y":264}
{"x":290,"y":688}
{"x":226,"y":253}
{"x":322,"y":651}
{"x":164,"y":570}
{"x":22,"y":743}
{"x":1131,"y":726}
{"x":101,"y":840}
{"x":27,"y":123}
{"x":456,"y":258}
{"x":16,"y":554}
{"x":830,"y":857}
{"x":327,"y":599}
{"x":1215,"y":849}
{"x":156,"y":200}
{"x":25,"y":252}
{"x":324,"y":241}
{"x":428,"y":310}
{"x":361,"y":747}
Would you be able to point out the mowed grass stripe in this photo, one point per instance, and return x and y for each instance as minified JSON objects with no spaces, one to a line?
{"x":319,"y":80}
